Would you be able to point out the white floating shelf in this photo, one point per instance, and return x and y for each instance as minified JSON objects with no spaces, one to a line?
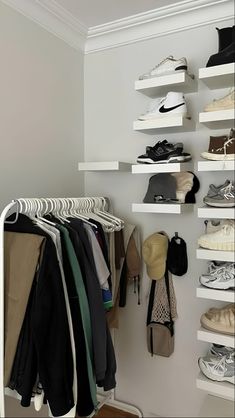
{"x":161,"y":168}
{"x":159,"y":86}
{"x":104,"y":166}
{"x":218,"y":120}
{"x":222,"y":389}
{"x":215,"y":255}
{"x":216,"y":165}
{"x":161,"y":208}
{"x":219,"y":213}
{"x":216,"y":294}
{"x":219,"y":76}
{"x":215,"y":337}
{"x":164,"y":124}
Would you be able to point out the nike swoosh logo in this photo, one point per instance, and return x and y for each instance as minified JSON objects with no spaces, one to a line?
{"x":168,"y":109}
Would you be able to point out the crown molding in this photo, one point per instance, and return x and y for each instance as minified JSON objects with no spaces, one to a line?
{"x":159,"y":22}
{"x":54,"y":18}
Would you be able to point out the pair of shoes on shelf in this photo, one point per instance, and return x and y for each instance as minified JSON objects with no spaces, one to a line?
{"x":219,"y":364}
{"x":164,"y":152}
{"x":224,"y":103}
{"x":220,"y":275}
{"x":221,"y":148}
{"x":226,"y":53}
{"x":220,"y":235}
{"x":220,"y":320}
{"x":172,"y":104}
{"x":222,"y":196}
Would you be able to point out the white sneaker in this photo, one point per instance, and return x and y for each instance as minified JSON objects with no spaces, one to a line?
{"x":215,"y":225}
{"x":220,"y":240}
{"x":173,"y":104}
{"x":222,"y":277}
{"x":166,"y":66}
{"x":226,"y":102}
{"x":220,"y":369}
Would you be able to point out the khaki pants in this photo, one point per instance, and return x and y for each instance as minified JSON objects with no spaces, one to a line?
{"x":21,"y":257}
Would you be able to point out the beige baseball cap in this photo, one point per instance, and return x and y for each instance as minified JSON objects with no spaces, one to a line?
{"x":154,"y":251}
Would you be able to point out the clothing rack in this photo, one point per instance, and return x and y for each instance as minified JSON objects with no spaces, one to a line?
{"x":21,"y":206}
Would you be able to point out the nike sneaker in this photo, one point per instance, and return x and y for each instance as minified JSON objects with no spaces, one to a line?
{"x":224,"y":103}
{"x":164,"y":152}
{"x":221,"y":196}
{"x":166,"y":66}
{"x":173,"y":104}
{"x":222,"y":277}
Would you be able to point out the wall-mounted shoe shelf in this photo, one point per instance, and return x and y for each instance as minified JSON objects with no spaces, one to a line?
{"x":161,"y":208}
{"x":222,"y":389}
{"x":218,"y":120}
{"x":219,"y":213}
{"x":219,"y":76}
{"x":216,"y":294}
{"x":215,"y":337}
{"x":159,"y":86}
{"x":161,"y":168}
{"x":104,"y":166}
{"x":203,"y":254}
{"x":216,"y":165}
{"x":165,"y":124}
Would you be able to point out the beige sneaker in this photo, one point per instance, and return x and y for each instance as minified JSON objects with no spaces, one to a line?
{"x":226,"y":102}
{"x":220,"y":320}
{"x":222,"y":240}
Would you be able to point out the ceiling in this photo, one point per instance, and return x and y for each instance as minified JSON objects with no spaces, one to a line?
{"x":97,"y":12}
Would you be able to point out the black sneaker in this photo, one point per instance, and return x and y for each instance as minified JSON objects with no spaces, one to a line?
{"x":226,"y":56}
{"x":164,"y":152}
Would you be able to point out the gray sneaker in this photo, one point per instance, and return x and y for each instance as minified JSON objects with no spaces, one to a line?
{"x":220,"y":277}
{"x":220,"y":369}
{"x":220,"y":350}
{"x":222,"y":196}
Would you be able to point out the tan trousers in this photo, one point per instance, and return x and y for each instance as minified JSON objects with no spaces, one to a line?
{"x":21,"y":256}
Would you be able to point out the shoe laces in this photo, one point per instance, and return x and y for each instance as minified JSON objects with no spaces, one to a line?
{"x":227,"y":144}
{"x":221,"y":364}
{"x":227,"y":228}
{"x":170,"y":57}
{"x":228,"y":191}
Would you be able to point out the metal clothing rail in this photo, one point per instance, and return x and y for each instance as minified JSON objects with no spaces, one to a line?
{"x":16,"y":207}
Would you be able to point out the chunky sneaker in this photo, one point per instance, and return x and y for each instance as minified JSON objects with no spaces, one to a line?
{"x":220,"y":350}
{"x":173,"y":104}
{"x":223,"y":277}
{"x":221,"y":196}
{"x":167,"y":66}
{"x":220,"y":240}
{"x":164,"y":152}
{"x":226,"y":102}
{"x":215,"y":225}
{"x":220,"y":369}
{"x":221,"y":147}
{"x":220,"y":320}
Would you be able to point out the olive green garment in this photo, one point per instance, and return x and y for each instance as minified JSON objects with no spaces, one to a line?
{"x":84,"y":308}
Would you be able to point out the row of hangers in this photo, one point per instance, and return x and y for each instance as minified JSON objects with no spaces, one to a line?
{"x":84,"y":208}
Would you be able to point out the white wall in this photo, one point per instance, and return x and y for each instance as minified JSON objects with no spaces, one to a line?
{"x":41,"y":111}
{"x":159,"y":386}
{"x":41,"y":120}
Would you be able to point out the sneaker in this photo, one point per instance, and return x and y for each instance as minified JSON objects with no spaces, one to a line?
{"x":226,"y":102}
{"x":220,"y":240}
{"x":220,"y":320}
{"x":215,"y":225}
{"x":173,"y":104}
{"x":220,"y":369}
{"x":164,"y":152}
{"x":220,"y":350}
{"x":221,"y":148}
{"x":221,"y":196}
{"x":222,"y":277}
{"x":167,"y":66}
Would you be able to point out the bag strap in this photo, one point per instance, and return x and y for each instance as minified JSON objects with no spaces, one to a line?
{"x":151,"y":301}
{"x":171,"y":324}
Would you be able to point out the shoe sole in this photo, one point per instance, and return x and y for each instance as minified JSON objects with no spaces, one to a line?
{"x":221,"y":205}
{"x":206,"y":323}
{"x":218,"y":286}
{"x":218,"y":157}
{"x":163,"y":115}
{"x":210,"y":376}
{"x":163,"y":74}
{"x":178,"y":159}
{"x":220,"y":246}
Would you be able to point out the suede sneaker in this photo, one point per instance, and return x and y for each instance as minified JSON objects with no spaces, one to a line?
{"x":224,"y":103}
{"x":221,"y":196}
{"x":221,"y":148}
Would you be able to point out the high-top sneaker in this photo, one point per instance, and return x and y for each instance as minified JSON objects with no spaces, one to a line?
{"x":221,"y":147}
{"x":173,"y":104}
